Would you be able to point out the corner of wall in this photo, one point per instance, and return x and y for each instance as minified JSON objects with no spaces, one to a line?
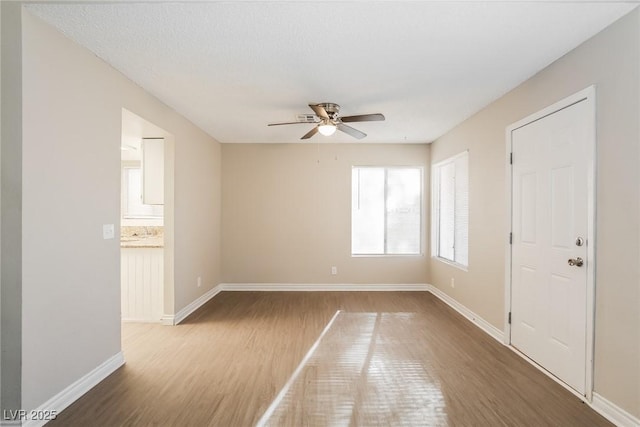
{"x":11,"y":206}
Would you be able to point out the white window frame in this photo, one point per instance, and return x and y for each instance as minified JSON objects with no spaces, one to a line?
{"x":435,"y":210}
{"x":422,"y":213}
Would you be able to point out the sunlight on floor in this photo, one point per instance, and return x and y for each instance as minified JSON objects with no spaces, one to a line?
{"x":361,"y":372}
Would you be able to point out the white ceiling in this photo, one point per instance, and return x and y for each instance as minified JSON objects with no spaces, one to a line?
{"x":231,"y":67}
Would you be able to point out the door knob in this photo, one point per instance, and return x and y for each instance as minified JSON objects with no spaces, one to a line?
{"x":578,"y":262}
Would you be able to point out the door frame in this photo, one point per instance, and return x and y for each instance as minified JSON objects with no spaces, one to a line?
{"x":587,"y":95}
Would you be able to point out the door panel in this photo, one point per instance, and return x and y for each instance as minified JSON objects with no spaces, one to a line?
{"x":562,"y":208}
{"x":528,"y":184}
{"x":528,"y":289}
{"x":559,"y":298}
{"x":549,"y":208}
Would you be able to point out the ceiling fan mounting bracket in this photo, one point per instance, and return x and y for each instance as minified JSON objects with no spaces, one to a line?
{"x":331,"y":109}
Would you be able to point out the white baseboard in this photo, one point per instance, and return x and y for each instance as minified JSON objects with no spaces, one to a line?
{"x":613,"y":412}
{"x":66,"y":397}
{"x":72,"y":393}
{"x":322,"y":287}
{"x":168,"y":320}
{"x":474,"y":318}
{"x":607,"y":409}
{"x":185,"y":312}
{"x":136,"y":320}
{"x":341,"y":287}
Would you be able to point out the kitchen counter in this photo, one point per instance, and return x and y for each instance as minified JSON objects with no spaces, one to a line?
{"x":142,"y":242}
{"x":141,"y":237}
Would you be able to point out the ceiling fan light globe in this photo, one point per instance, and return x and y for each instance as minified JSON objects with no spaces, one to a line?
{"x":327,"y":130}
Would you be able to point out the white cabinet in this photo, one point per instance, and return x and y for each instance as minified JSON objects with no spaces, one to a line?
{"x":142,"y":281}
{"x":153,"y":171}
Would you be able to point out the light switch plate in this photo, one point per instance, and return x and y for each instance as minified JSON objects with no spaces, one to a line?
{"x":108,"y":231}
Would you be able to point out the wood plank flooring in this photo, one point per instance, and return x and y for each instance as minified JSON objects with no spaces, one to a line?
{"x":389,"y":358}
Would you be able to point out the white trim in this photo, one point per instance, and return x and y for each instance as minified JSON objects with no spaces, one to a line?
{"x":435,"y":209}
{"x":450,"y":263}
{"x":140,"y":320}
{"x":185,"y":312}
{"x":549,"y":374}
{"x":421,"y":252}
{"x":587,"y":95}
{"x":592,"y":195}
{"x":468,"y":314}
{"x":607,"y":409}
{"x":66,"y":397}
{"x":283,"y":392}
{"x":171,"y":320}
{"x":168,"y":320}
{"x":613,"y":412}
{"x":322,"y":287}
{"x":308,"y":287}
{"x":507,"y":236}
{"x":72,"y":393}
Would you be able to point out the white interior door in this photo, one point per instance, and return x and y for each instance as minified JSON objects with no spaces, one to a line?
{"x":549,"y":251}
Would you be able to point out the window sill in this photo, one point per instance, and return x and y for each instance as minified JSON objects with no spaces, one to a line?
{"x":452,"y":263}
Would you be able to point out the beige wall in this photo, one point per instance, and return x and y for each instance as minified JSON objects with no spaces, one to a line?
{"x":286,"y":207}
{"x":72,"y":104}
{"x":610,"y":61}
{"x":287,"y":213}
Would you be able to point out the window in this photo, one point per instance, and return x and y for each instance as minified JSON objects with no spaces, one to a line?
{"x":450,"y":209}
{"x":132,"y":189}
{"x":386,"y":211}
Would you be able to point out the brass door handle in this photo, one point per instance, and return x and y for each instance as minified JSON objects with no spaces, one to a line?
{"x":578,"y":262}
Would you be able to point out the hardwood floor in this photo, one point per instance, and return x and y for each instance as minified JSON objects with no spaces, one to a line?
{"x":401,"y":358}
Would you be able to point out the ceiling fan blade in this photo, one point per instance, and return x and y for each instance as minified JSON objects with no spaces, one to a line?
{"x":363,"y":118}
{"x":351,"y":131}
{"x":289,"y":123}
{"x":310,"y":133}
{"x":319,"y":110}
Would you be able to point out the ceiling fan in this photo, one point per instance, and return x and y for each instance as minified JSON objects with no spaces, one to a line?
{"x":327,"y":121}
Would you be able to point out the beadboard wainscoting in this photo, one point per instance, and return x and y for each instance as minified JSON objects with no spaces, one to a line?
{"x":142,"y":281}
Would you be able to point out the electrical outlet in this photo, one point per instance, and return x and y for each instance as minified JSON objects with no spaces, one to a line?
{"x":334,"y":271}
{"x":199,"y":281}
{"x":453,"y":282}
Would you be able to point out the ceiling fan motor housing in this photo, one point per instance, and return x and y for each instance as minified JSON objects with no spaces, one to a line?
{"x":331,"y":109}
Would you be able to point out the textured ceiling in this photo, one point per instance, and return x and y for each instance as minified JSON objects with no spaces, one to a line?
{"x":232,"y":67}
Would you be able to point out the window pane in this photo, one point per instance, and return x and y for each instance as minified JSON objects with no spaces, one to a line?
{"x":133,"y":187}
{"x":367,"y":211}
{"x":450,"y":209}
{"x":462,"y":210}
{"x":404,"y":202}
{"x":447,"y":205}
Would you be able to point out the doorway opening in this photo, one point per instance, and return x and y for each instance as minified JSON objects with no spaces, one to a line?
{"x":146,"y":223}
